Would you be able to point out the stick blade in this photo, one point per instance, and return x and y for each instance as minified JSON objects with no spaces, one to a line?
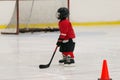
{"x":43,"y":66}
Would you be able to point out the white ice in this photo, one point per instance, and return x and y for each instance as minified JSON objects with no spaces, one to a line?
{"x":21,"y":55}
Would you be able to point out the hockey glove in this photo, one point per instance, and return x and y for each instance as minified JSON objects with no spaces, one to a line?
{"x":59,"y":42}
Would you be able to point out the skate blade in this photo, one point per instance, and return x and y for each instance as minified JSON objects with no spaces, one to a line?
{"x":61,"y":64}
{"x":69,"y":65}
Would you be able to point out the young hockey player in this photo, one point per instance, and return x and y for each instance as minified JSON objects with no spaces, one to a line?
{"x":65,"y":40}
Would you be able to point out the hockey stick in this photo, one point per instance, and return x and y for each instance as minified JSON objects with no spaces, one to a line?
{"x":47,"y":65}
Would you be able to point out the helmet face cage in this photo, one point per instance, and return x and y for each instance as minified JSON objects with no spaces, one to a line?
{"x":57,"y":15}
{"x":63,"y":13}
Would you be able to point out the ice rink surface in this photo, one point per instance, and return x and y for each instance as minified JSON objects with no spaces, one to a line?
{"x":21,"y":55}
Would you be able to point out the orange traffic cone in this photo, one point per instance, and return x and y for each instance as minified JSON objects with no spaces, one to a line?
{"x":105,"y":73}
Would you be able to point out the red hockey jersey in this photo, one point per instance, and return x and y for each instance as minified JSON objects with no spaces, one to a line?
{"x":66,"y":30}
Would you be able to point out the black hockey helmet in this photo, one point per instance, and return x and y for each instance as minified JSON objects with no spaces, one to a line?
{"x":62,"y":13}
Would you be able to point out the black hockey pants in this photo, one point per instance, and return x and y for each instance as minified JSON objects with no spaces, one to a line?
{"x":68,"y":46}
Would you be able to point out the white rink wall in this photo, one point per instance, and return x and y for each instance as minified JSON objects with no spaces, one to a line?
{"x":81,"y":10}
{"x":95,"y":10}
{"x":6,"y":10}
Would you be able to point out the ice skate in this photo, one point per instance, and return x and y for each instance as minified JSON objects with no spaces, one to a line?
{"x":63,"y":60}
{"x":69,"y":61}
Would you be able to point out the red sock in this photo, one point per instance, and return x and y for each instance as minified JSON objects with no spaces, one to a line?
{"x":71,"y":54}
{"x":65,"y":53}
{"x":68,"y":53}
